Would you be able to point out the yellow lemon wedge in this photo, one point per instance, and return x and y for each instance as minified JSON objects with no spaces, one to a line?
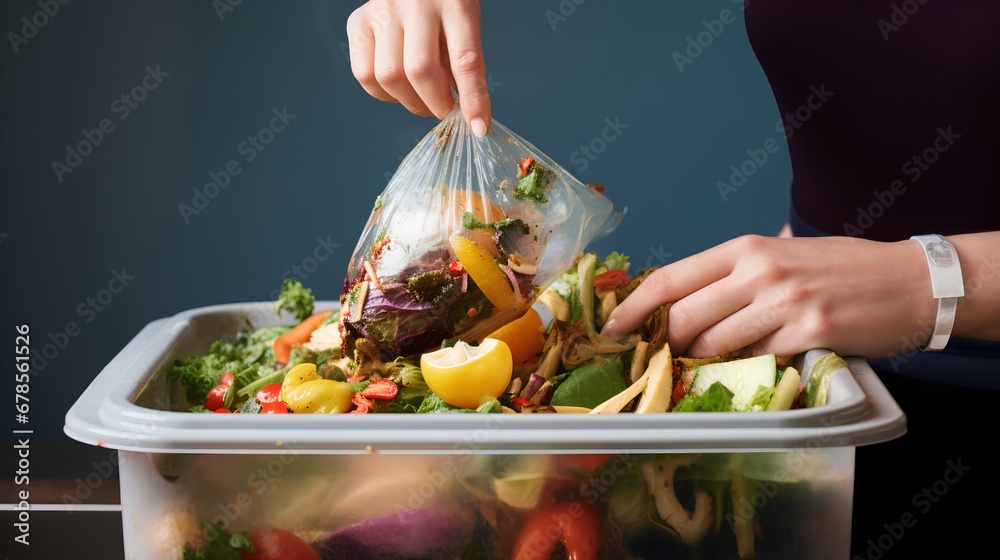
{"x":525,"y":336}
{"x":485,"y":272}
{"x":466,"y":376}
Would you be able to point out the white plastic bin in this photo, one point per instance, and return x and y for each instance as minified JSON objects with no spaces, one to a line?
{"x":767,"y":484}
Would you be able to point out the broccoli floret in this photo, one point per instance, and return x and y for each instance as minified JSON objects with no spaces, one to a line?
{"x":295,"y":298}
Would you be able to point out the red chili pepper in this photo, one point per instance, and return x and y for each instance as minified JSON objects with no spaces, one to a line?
{"x":269,"y":393}
{"x":380,"y":390}
{"x":275,"y":407}
{"x":526,"y":164}
{"x":611,"y":279}
{"x":362,"y":405}
{"x":576,"y":525}
{"x":678,"y":391}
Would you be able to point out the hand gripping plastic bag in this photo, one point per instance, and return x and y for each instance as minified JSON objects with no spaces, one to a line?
{"x":465,"y":236}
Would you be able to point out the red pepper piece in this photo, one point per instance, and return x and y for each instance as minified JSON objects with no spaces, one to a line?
{"x":361,"y":404}
{"x":525,"y":166}
{"x":380,"y":390}
{"x":575,"y":525}
{"x":455,"y":269}
{"x":611,"y":279}
{"x":678,"y":391}
{"x":521,"y":401}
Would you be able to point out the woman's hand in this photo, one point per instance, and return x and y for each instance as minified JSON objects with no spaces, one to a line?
{"x":786,"y":295}
{"x":414,"y":51}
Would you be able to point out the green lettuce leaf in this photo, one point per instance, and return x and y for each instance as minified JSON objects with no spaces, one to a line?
{"x":433,"y":404}
{"x":717,"y":398}
{"x":589,"y":385}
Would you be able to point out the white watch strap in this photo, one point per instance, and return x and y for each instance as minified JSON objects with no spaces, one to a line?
{"x":947,"y":286}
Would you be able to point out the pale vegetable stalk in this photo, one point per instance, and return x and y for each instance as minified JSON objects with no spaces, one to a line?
{"x":656,"y":395}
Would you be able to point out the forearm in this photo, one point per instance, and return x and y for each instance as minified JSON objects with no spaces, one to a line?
{"x":978,"y":313}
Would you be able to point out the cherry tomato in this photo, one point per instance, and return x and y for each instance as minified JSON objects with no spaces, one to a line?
{"x":215,"y":397}
{"x":380,"y":390}
{"x":269,"y":393}
{"x":277,"y":407}
{"x":278,"y":544}
{"x":223,"y":411}
{"x":227,"y":379}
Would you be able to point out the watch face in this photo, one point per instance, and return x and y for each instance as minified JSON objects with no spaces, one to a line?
{"x":940,"y":253}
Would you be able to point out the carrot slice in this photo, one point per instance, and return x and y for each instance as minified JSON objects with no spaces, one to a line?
{"x":299,"y":334}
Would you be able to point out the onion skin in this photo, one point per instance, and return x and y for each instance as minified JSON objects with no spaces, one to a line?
{"x":429,"y":532}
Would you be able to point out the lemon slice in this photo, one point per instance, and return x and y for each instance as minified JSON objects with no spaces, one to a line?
{"x":466,"y":376}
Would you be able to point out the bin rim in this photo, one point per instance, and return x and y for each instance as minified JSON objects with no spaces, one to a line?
{"x":860,"y":412}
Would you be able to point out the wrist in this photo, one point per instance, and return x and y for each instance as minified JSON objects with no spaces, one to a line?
{"x":917,"y":291}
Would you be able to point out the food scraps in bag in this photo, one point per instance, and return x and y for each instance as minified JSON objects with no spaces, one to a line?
{"x":461,"y":242}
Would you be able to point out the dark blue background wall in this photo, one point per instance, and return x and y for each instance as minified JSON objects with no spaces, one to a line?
{"x":217,"y":80}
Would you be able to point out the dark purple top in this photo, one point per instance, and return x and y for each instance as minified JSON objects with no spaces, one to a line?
{"x":891,"y":109}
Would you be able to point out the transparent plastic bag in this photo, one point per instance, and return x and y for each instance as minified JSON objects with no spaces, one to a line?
{"x":463,"y":239}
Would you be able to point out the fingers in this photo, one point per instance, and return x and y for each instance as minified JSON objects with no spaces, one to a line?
{"x":414,"y":53}
{"x":745,"y":328}
{"x":461,"y":24}
{"x":423,"y":63}
{"x":361,"y":40}
{"x":691,"y":315}
{"x":670,"y":283}
{"x":390,"y":70}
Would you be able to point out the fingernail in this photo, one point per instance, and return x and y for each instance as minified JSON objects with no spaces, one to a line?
{"x":478,"y":127}
{"x":610,"y":328}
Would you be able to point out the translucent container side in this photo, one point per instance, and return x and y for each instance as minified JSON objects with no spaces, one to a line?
{"x":783,"y":504}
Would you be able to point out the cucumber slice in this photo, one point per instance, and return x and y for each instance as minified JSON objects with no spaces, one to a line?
{"x":743,"y":377}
